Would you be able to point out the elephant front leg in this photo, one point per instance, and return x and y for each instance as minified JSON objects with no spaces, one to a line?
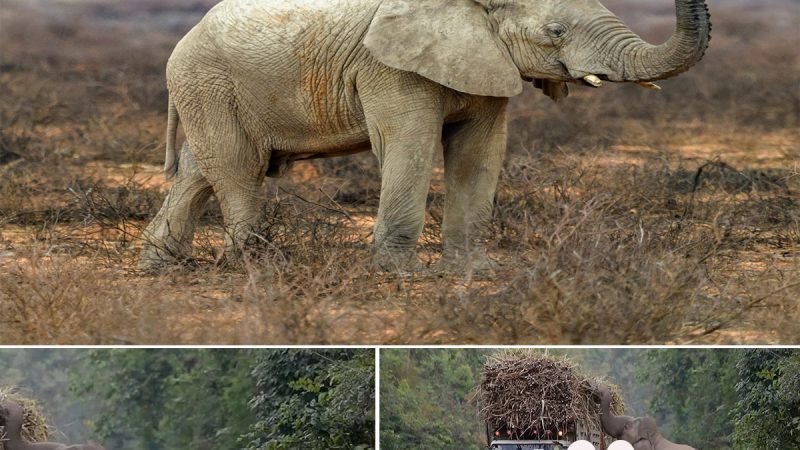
{"x":473,"y":158}
{"x":406,"y":175}
{"x":405,"y":145}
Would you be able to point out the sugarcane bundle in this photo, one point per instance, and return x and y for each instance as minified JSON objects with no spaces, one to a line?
{"x":525,"y":390}
{"x":34,"y":426}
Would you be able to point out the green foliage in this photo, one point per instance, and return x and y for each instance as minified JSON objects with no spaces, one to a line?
{"x":313,"y":398}
{"x":425,"y":399}
{"x":694,"y":394}
{"x":170,"y":399}
{"x":768,"y":411}
{"x":201,"y":399}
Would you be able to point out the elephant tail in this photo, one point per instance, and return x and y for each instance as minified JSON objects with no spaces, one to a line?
{"x":171,"y":161}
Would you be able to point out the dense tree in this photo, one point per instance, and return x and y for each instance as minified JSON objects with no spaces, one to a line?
{"x":425,"y":399}
{"x":314,"y":398}
{"x":768,"y":410}
{"x":136,"y":399}
{"x":693,"y":394}
{"x":204,"y":399}
{"x":169,"y":398}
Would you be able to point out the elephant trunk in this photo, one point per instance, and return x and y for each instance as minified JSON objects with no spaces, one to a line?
{"x":612,"y":424}
{"x":642,"y":61}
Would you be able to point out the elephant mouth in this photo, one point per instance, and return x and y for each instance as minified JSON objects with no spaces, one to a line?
{"x":582,"y":77}
{"x":597,"y":80}
{"x":594,"y":81}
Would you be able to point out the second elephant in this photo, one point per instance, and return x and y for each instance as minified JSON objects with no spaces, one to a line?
{"x":641,"y":432}
{"x":261,"y":83}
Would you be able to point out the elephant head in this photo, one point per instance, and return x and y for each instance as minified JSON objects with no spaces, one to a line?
{"x":641,"y":432}
{"x":612,"y":424}
{"x":487,"y":47}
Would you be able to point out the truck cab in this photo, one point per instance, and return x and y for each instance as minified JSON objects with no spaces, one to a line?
{"x":554,"y":437}
{"x":528,"y":445}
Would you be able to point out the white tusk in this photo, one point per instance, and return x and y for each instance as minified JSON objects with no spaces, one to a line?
{"x":649,"y":85}
{"x":593,"y":80}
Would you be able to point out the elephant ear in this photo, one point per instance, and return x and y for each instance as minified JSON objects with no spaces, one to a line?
{"x":448,"y":41}
{"x":556,"y":90}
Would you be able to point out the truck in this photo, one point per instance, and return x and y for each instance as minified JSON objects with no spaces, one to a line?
{"x":540,"y":437}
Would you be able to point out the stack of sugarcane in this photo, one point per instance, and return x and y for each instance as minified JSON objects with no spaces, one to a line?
{"x":34,"y":427}
{"x":525,"y":390}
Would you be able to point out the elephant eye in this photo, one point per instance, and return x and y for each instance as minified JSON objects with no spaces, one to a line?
{"x":555,"y":30}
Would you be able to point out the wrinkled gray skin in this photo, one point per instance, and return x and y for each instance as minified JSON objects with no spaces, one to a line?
{"x":14,"y":416}
{"x":261,"y":83}
{"x":641,"y":432}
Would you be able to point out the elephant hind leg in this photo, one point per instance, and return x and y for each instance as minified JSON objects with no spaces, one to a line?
{"x":241,"y":202}
{"x":168,"y":238}
{"x":236,"y":171}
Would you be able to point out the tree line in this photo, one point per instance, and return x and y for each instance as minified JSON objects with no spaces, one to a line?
{"x":153,"y":399}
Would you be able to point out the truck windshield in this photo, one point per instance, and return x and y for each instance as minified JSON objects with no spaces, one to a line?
{"x":527,"y":446}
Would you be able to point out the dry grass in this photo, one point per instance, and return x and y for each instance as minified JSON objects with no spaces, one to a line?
{"x":34,"y":425}
{"x":623,"y":215}
{"x":524,"y":390}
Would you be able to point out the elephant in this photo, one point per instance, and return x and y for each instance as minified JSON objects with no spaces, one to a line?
{"x":259,"y":84}
{"x":613,"y":424}
{"x":14,"y":417}
{"x":641,"y":432}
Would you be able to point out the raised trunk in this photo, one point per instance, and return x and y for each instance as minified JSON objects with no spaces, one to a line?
{"x":646,"y":62}
{"x":612,"y":424}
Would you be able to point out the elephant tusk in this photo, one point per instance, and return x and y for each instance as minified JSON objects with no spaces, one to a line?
{"x":593,"y":80}
{"x":649,"y":85}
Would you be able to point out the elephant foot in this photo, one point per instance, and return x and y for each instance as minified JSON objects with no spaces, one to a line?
{"x":397,"y":260}
{"x":154,"y":260}
{"x":461,"y":262}
{"x":237,"y":254}
{"x":230,"y":261}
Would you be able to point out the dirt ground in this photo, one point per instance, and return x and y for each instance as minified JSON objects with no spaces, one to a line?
{"x":624,"y":216}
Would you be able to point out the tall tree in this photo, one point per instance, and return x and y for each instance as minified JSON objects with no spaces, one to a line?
{"x":313,"y":398}
{"x":768,"y":410}
{"x":693,"y":394}
{"x":425,"y":399}
{"x":169,"y":398}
